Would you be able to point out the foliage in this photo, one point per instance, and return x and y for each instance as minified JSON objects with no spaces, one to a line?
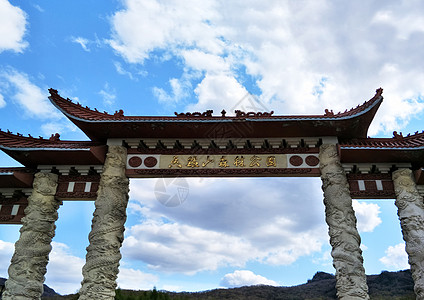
{"x":145,"y":295}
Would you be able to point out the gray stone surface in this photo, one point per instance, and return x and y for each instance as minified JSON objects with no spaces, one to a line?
{"x":340,"y":217}
{"x":411,"y":215}
{"x":107,"y":230}
{"x":28,"y":264}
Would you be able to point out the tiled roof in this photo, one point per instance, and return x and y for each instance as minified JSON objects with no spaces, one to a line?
{"x":79,"y":112}
{"x":415,"y":141}
{"x":8,"y":140}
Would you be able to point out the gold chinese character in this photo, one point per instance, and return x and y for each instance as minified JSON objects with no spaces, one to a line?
{"x":175,"y":161}
{"x":208,"y":161}
{"x":239,"y":161}
{"x":255,"y":161}
{"x":192,"y":162}
{"x":223,"y":163}
{"x":270,"y":161}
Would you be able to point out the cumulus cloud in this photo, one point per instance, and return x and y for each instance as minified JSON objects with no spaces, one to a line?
{"x":300,"y":58}
{"x":136,"y":280}
{"x":396,"y":258}
{"x":183,"y":248}
{"x":227,"y":222}
{"x":64,"y":269}
{"x":6,"y":252}
{"x":245,"y":278}
{"x":13,"y":26}
{"x":31,"y":98}
{"x":179,"y":90}
{"x":367,"y":215}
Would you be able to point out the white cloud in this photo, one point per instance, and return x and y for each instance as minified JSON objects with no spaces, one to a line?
{"x":183,"y":248}
{"x":120,"y":69}
{"x":6,"y":252}
{"x":227,"y":222}
{"x":406,"y":17}
{"x":2,"y":102}
{"x":83,"y":42}
{"x":301,"y":58}
{"x":64,"y":269}
{"x":245,"y":278}
{"x":38,"y":7}
{"x":218,"y":92}
{"x":31,"y":98}
{"x":367,"y":215}
{"x":57,"y":127}
{"x":163,"y":26}
{"x":179,"y":90}
{"x":108,"y":94}
{"x":136,"y":280}
{"x":396,"y":258}
{"x":13,"y":23}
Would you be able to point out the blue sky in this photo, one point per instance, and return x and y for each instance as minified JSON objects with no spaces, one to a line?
{"x":151,"y":57}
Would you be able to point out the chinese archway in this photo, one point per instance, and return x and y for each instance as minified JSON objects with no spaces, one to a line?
{"x":333,"y":146}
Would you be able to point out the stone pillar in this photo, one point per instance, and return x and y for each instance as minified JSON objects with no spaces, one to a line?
{"x":28,"y":264}
{"x":107,"y":230}
{"x":411,"y":215}
{"x":344,"y":237}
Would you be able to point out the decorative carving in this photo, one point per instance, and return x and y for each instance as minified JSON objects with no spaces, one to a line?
{"x":55,"y":137}
{"x":199,"y":151}
{"x":397,"y":135}
{"x":135,"y":161}
{"x":372,"y":194}
{"x":6,"y":218}
{"x":242,"y":114}
{"x":76,"y":195}
{"x":207,"y":113}
{"x":369,"y":176}
{"x":296,"y":160}
{"x":119,"y":113}
{"x":312,"y":161}
{"x":411,"y":213}
{"x":80,"y":178}
{"x":150,"y":161}
{"x":340,"y":217}
{"x":28,"y":264}
{"x":107,"y":234}
{"x":329,"y":113}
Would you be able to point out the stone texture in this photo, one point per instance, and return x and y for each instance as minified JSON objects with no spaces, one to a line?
{"x":341,"y":220}
{"x":411,"y":215}
{"x":107,"y":230}
{"x":28,"y":264}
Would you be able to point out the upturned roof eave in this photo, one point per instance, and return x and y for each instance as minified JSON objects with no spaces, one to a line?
{"x":365,"y":113}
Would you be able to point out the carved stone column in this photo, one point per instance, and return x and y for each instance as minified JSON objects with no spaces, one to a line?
{"x":344,"y":238}
{"x":411,"y":215}
{"x":107,"y":230}
{"x":28,"y":264}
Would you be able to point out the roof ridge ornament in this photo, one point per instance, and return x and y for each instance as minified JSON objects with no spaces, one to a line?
{"x":119,"y":113}
{"x":242,"y":114}
{"x":55,"y":137}
{"x":206,"y":114}
{"x":397,"y":135}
